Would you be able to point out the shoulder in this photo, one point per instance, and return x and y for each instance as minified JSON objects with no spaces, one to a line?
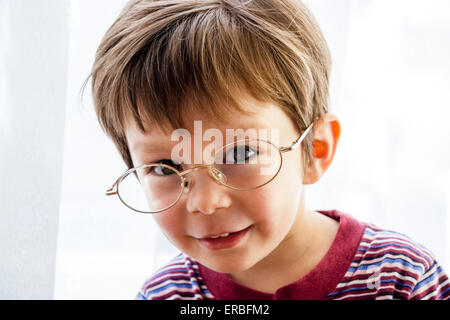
{"x":178,"y":280}
{"x":386,"y":247}
{"x":390,"y":265}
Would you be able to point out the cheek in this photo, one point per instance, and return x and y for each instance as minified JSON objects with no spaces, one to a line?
{"x":171,"y":224}
{"x":276,"y":205}
{"x":271,"y":208}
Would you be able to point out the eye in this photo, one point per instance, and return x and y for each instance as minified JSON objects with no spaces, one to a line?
{"x":164,"y":171}
{"x":239,"y":154}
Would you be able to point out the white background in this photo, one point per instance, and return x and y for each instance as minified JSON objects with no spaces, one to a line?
{"x":60,"y":237}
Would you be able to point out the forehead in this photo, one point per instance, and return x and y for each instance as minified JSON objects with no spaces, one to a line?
{"x":263,"y":115}
{"x":156,"y":138}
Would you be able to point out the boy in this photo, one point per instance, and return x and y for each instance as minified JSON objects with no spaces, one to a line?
{"x":242,"y":226}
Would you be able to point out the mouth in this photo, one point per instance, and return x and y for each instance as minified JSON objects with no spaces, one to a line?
{"x":223,"y":241}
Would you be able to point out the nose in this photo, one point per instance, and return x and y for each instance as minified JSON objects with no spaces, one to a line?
{"x":205,"y":194}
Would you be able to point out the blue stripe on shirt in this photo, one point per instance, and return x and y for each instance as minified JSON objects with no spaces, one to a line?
{"x":377,"y":264}
{"x":431,"y":277}
{"x":173,"y":284}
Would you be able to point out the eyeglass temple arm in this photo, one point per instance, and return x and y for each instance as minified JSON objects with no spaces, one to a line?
{"x":113,"y":189}
{"x":297,"y":142}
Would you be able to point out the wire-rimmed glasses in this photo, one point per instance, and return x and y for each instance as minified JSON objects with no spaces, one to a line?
{"x":242,"y":165}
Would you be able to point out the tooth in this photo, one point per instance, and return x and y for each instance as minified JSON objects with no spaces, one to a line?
{"x":220,"y":236}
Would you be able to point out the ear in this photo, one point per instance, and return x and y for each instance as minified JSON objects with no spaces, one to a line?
{"x":327,"y":131}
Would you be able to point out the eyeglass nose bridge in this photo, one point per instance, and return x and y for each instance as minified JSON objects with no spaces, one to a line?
{"x":214,"y":173}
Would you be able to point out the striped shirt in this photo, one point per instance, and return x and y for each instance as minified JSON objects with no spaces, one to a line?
{"x":363,"y":262}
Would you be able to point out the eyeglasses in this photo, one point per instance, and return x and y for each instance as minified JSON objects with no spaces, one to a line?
{"x":246,"y":164}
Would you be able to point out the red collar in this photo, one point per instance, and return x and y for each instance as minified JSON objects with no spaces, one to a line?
{"x":315,"y":285}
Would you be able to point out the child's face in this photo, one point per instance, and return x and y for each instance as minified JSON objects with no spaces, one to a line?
{"x":267,"y":214}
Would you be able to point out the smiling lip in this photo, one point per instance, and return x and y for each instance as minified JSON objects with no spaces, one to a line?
{"x":229,"y":241}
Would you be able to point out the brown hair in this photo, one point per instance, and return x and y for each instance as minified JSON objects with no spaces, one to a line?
{"x":162,"y":57}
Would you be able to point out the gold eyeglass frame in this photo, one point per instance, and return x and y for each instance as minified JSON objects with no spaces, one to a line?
{"x":215,"y":174}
